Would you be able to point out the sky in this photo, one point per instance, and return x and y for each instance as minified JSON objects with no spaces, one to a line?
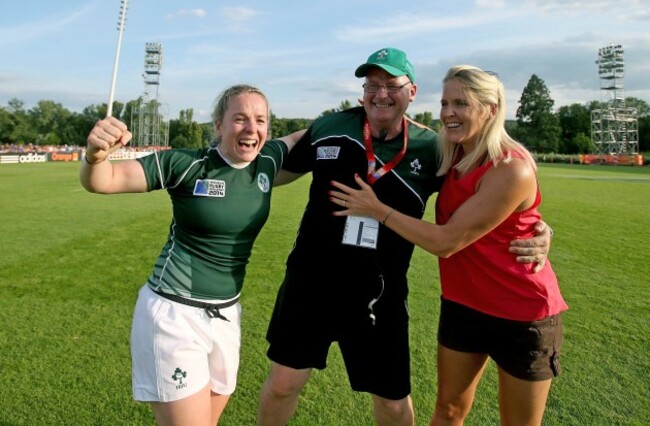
{"x":303,"y":54}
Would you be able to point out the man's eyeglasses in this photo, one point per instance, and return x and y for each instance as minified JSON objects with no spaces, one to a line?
{"x":374,"y":88}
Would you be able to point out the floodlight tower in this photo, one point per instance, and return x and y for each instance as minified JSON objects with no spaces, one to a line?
{"x":614,"y":128}
{"x":151,"y":130}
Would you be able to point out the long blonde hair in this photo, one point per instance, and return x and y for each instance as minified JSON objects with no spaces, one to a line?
{"x":483,"y":89}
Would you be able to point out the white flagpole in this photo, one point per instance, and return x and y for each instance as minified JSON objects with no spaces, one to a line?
{"x":120,"y":29}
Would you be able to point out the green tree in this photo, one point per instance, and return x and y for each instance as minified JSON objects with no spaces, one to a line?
{"x":644,"y":134}
{"x":574,"y":119}
{"x":85,"y":121}
{"x":50,"y":120}
{"x":425,"y":118}
{"x":581,"y":144}
{"x":537,"y":127}
{"x":342,"y":106}
{"x":22,"y":132}
{"x":643,"y":113}
{"x":278,"y":127}
{"x":185,"y":132}
{"x":130,"y":113}
{"x":284,"y":126}
{"x":6,"y":125}
{"x":642,"y":107}
{"x":208,"y":133}
{"x":76,"y":130}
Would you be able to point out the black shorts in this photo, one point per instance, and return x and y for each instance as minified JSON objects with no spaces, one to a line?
{"x":526,"y":350}
{"x":312,"y":311}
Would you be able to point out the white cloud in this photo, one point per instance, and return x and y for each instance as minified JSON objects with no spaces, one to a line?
{"x":627,"y":8}
{"x":237,"y":19}
{"x":307,"y":67}
{"x":238,"y":14}
{"x":414,"y":25}
{"x":11,"y":35}
{"x":490,"y":4}
{"x":195,"y":13}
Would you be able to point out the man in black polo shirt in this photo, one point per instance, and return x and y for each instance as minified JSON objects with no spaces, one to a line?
{"x":346,"y":278}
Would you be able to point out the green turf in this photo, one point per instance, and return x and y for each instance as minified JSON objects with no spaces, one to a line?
{"x":71,"y":264}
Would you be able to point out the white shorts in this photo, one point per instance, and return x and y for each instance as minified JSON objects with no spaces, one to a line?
{"x":177,"y":349}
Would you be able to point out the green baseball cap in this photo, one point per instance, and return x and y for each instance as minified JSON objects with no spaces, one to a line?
{"x":391,"y":60}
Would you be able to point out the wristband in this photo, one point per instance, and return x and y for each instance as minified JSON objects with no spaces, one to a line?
{"x":383,"y":222}
{"x":91,"y":164}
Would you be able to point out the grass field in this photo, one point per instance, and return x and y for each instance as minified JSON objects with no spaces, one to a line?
{"x":71,"y":264}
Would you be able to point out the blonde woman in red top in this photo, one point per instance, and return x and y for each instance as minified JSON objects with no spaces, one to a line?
{"x":492,"y":306}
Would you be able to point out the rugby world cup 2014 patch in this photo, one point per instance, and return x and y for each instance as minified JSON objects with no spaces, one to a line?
{"x":328,"y":152}
{"x":210,"y":188}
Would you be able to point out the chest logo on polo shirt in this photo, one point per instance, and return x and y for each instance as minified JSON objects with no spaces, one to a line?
{"x":210,"y":188}
{"x":328,"y":152}
{"x":415,"y":167}
{"x":264,"y":182}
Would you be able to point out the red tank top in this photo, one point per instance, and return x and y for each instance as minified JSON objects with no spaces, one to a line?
{"x":484,"y":275}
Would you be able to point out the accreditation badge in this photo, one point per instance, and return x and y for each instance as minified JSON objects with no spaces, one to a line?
{"x":361,"y":231}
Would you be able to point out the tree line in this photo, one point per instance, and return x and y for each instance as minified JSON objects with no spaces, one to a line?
{"x":543,"y":129}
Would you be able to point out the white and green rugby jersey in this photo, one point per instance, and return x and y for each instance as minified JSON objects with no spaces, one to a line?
{"x":218,"y":211}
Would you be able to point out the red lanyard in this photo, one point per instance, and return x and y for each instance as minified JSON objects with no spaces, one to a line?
{"x":374,"y":174}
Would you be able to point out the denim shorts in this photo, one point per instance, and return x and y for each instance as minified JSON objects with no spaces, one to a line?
{"x":526,"y":350}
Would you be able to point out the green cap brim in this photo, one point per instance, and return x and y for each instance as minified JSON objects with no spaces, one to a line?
{"x":362,"y":70}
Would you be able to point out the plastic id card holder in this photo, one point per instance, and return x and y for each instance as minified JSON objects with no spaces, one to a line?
{"x":361,"y":231}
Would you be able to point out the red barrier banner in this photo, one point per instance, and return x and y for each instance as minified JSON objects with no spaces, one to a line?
{"x":623,"y":160}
